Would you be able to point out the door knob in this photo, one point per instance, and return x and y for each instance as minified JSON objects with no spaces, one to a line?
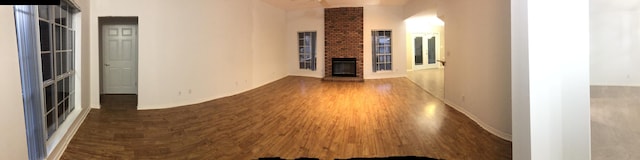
{"x":107,"y":65}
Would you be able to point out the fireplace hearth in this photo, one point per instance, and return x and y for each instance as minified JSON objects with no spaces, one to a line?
{"x":343,"y":67}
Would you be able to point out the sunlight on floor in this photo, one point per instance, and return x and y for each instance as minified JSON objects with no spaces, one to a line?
{"x":431,"y":80}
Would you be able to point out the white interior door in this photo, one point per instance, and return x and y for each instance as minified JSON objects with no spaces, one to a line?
{"x":119,"y":59}
{"x":425,"y":54}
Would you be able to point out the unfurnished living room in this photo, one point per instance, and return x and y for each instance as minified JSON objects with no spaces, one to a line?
{"x":320,"y":79}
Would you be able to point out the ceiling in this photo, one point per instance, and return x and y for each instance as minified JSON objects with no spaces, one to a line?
{"x":302,"y":4}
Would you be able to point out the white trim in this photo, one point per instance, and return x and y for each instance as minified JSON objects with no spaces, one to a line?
{"x":615,"y":85}
{"x":383,"y":72}
{"x":308,"y":73}
{"x":485,"y":126}
{"x":384,"y":75}
{"x":64,"y":142}
{"x":74,"y":4}
{"x":204,"y":100}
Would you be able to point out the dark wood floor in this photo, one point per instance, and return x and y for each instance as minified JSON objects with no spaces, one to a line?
{"x":292,"y":117}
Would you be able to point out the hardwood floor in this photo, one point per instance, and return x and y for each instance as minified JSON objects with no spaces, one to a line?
{"x":431,"y":80}
{"x":292,"y":117}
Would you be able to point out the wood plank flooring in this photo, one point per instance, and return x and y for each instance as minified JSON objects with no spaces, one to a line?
{"x":292,"y":117}
{"x":431,"y":80}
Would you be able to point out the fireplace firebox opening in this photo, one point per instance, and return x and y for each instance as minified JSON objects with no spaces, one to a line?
{"x":343,"y":67}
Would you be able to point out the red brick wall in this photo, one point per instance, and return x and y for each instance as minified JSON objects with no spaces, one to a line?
{"x":343,"y":36}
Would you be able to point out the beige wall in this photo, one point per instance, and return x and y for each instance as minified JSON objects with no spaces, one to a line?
{"x":269,"y":25}
{"x":415,"y":8}
{"x":85,"y":53}
{"x":13,"y":140}
{"x":385,"y":18}
{"x":478,"y":71}
{"x":198,"y":51}
{"x":300,"y":21}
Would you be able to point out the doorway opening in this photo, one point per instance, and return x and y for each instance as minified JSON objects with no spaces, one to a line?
{"x":118,"y":58}
{"x":614,"y":79}
{"x":425,"y":53}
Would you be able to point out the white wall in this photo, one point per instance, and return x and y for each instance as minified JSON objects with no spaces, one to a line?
{"x":414,"y":8}
{"x":478,"y":71}
{"x":13,"y":140}
{"x":300,"y":21}
{"x":385,"y":18}
{"x":615,"y":52}
{"x":559,"y":95}
{"x":196,"y":51}
{"x":555,"y":124}
{"x":269,"y":25}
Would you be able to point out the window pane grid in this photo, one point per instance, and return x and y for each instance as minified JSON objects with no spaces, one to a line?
{"x":306,"y":50}
{"x":381,"y":50}
{"x":57,"y":52}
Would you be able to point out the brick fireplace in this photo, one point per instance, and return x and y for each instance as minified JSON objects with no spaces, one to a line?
{"x":343,"y":39}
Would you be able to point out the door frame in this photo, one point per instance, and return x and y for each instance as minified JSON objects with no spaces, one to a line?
{"x":425,"y":48}
{"x":102,"y":21}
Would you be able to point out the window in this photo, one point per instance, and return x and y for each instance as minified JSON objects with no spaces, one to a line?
{"x":307,"y":50}
{"x":381,"y":50}
{"x":46,"y":52}
{"x":56,"y":52}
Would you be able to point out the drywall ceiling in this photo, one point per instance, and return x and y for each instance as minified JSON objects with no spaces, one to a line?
{"x":302,"y":4}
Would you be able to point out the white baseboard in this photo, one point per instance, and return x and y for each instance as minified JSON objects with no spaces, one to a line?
{"x":62,"y":145}
{"x":615,"y":85}
{"x":485,"y":126}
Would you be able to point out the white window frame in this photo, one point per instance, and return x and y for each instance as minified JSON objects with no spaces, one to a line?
{"x":56,"y":22}
{"x":62,"y":46}
{"x":381,"y":52}
{"x":307,"y":50}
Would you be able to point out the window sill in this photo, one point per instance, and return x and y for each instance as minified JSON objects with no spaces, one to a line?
{"x":384,"y":71}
